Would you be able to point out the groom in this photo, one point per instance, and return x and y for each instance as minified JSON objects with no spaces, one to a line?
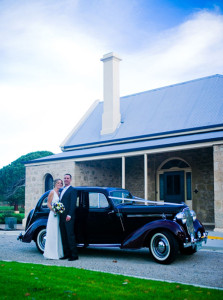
{"x":68,"y":197}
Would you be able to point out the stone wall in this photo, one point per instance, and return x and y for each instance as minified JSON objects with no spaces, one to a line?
{"x":108,"y":172}
{"x":134,"y":172}
{"x":99,"y":173}
{"x":201,"y":163}
{"x":35,"y":180}
{"x":218,"y":186}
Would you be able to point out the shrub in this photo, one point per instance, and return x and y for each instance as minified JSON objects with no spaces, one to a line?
{"x":4,"y":215}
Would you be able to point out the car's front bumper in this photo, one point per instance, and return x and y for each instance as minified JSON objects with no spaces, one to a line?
{"x":197,"y":243}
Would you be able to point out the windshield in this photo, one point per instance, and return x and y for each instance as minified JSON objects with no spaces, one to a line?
{"x":121,"y":196}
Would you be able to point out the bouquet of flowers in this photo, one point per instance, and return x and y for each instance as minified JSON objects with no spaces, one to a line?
{"x":58,"y":208}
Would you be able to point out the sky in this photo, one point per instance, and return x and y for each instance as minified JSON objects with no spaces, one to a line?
{"x":50,"y":51}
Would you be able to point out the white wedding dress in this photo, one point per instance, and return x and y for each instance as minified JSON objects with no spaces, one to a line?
{"x":53,"y":245}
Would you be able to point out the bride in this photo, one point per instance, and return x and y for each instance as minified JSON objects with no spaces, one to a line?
{"x":53,"y":245}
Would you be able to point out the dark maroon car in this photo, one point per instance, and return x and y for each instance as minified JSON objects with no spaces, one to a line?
{"x":112,"y":217}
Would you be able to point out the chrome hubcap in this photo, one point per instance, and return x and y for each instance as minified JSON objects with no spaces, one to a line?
{"x":42,"y":240}
{"x":160,"y":246}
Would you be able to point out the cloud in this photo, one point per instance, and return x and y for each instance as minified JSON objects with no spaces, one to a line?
{"x":51,"y":71}
{"x":50,"y":75}
{"x":192,"y":50}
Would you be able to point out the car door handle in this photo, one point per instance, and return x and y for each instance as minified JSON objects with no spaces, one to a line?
{"x":119,"y":214}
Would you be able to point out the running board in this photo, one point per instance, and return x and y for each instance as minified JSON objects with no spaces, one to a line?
{"x":100,"y":245}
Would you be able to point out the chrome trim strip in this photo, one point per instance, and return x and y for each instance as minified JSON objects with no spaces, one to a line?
{"x":147,"y":215}
{"x":100,"y":245}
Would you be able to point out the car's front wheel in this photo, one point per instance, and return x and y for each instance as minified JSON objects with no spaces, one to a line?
{"x":163,"y":247}
{"x":41,"y":239}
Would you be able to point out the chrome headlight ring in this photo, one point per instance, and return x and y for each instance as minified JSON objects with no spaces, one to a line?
{"x":193,"y":215}
{"x":181,"y":216}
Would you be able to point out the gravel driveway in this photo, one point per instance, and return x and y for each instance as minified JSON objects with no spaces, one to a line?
{"x":204,"y":268}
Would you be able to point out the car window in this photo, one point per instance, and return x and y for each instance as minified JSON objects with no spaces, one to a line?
{"x":78,"y":199}
{"x":120,"y":196}
{"x":97,"y":200}
{"x":44,"y":203}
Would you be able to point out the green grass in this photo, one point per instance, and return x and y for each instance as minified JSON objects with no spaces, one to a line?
{"x":31,"y":281}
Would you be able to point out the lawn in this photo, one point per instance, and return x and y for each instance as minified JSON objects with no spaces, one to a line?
{"x":32,"y":281}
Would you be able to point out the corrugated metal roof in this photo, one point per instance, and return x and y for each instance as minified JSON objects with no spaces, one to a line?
{"x":136,"y":146}
{"x":180,"y":107}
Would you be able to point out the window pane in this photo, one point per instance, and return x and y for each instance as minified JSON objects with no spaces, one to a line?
{"x":97,"y":200}
{"x":175,"y":163}
{"x":121,"y":195}
{"x":169,"y":182}
{"x":93,"y":200}
{"x":48,"y":182}
{"x":173,"y":184}
{"x":176,"y":184}
{"x":188,"y":180}
{"x":44,"y":203}
{"x":161,"y":187}
{"x":103,"y":202}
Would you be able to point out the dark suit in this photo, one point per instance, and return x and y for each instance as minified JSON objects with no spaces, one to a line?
{"x":69,"y":200}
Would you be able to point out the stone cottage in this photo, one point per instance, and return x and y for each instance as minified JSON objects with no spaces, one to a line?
{"x":164,"y":144}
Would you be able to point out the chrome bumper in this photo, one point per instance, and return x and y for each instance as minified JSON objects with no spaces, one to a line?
{"x":20,"y":236}
{"x":196,"y":243}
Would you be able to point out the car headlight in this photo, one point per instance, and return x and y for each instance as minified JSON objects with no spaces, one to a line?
{"x":193,"y":215}
{"x":181,"y":216}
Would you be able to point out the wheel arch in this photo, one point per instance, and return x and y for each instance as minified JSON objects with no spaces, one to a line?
{"x":33,"y":230}
{"x":38,"y":229}
{"x":140,"y":238}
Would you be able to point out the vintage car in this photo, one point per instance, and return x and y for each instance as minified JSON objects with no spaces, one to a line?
{"x":112,"y":217}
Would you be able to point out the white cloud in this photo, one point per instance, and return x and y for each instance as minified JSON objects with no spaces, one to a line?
{"x":192,"y":50}
{"x":50,"y":77}
{"x":51,"y":71}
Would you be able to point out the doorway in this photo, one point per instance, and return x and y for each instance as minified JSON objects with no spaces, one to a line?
{"x":174,"y":186}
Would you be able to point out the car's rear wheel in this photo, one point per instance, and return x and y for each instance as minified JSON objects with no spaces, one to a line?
{"x":163,"y":247}
{"x":41,"y":239}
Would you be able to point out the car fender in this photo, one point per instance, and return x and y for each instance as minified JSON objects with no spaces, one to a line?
{"x":30,"y":233}
{"x":30,"y":215}
{"x":137,"y":239}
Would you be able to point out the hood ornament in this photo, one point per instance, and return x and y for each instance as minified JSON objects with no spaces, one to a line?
{"x":164,"y":216}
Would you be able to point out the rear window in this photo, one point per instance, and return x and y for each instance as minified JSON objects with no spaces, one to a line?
{"x":97,"y":200}
{"x":44,"y":203}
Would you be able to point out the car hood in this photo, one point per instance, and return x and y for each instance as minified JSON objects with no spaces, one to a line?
{"x":151,"y":209}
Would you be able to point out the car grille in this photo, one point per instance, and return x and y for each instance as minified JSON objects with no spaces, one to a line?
{"x":189,"y":222}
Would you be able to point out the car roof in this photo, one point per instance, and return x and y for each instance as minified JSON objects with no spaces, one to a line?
{"x":96,"y":188}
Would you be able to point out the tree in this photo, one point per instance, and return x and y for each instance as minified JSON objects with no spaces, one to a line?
{"x":12,"y":179}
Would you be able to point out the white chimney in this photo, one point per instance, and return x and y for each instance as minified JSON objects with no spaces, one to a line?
{"x":111,"y":117}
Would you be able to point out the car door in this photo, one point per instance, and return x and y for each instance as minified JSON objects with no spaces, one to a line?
{"x":103,"y":222}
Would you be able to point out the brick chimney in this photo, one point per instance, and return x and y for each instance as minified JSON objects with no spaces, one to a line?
{"x":111,"y":117}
